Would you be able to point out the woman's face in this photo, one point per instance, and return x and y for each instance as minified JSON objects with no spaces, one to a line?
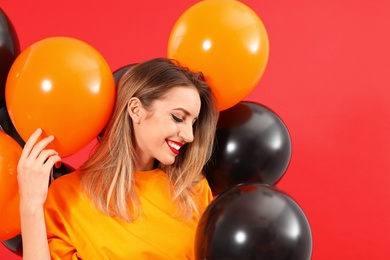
{"x":166,"y":127}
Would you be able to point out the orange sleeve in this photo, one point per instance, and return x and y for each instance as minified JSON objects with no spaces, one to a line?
{"x":59,"y":242}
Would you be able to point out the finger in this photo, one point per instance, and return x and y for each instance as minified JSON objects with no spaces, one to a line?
{"x":38,"y":148}
{"x":45,"y":155}
{"x":28,"y":146}
{"x":50,"y":162}
{"x":57,"y":165}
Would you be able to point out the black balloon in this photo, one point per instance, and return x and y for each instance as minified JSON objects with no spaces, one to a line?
{"x":62,"y":170}
{"x":14,"y":245}
{"x":7,"y":126}
{"x":117,"y":76}
{"x":253,"y":221}
{"x":119,"y":72}
{"x":252,"y":144}
{"x":9,"y":49}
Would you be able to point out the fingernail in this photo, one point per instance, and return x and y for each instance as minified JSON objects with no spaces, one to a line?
{"x":57,"y":165}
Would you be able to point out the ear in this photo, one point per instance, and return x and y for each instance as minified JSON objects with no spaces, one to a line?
{"x":134,"y":108}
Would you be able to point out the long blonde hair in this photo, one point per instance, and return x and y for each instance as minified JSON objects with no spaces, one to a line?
{"x":108,"y":175}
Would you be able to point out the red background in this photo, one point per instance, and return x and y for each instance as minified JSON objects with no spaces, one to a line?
{"x":327,"y":78}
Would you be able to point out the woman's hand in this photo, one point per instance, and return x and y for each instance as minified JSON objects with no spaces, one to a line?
{"x":34,"y":167}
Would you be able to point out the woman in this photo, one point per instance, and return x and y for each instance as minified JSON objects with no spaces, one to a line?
{"x":140,"y":195}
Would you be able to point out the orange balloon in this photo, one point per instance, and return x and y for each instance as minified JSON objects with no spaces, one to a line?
{"x":64,"y":86}
{"x":227,"y":41}
{"x":10,"y":152}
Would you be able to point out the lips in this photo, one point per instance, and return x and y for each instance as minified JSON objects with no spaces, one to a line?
{"x":174,"y":146}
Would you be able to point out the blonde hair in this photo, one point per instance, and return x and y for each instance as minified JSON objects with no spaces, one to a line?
{"x":108,"y":175}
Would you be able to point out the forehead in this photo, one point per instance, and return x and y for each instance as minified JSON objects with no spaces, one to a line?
{"x":185,"y":97}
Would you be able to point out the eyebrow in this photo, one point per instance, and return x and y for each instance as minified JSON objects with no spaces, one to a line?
{"x":184,"y":110}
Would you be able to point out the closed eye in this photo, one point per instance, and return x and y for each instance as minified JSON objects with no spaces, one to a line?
{"x":179,"y":120}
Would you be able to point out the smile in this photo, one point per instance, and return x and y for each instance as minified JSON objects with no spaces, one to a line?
{"x":175,"y":146}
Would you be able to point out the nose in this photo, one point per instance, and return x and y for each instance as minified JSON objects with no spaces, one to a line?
{"x":187,"y":133}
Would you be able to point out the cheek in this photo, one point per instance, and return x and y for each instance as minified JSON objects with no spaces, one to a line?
{"x":159,"y":129}
{"x":158,"y":132}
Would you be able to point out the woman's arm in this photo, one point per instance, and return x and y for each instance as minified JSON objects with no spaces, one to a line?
{"x":34,"y":234}
{"x":34,"y":169}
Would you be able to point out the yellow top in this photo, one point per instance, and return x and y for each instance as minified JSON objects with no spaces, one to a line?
{"x":76,"y":230}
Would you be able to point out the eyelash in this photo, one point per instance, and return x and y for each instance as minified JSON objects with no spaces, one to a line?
{"x":179,"y":120}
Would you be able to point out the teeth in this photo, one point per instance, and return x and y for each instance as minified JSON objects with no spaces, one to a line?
{"x":175,"y":146}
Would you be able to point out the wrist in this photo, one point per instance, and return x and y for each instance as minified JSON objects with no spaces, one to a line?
{"x":30,"y":208}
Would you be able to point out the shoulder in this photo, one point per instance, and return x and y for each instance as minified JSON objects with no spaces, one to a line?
{"x":65,"y":189}
{"x":203,"y":191}
{"x":202,"y":184}
{"x":68,"y":181}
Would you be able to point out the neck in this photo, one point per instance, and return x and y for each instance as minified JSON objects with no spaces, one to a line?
{"x":146,"y":166}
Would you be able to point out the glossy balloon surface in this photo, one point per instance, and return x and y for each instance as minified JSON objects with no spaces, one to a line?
{"x":10,"y":152}
{"x":14,"y":245}
{"x":7,"y":126}
{"x":253,"y":221}
{"x":9,"y":50}
{"x":252,"y":144}
{"x":227,"y":41}
{"x":64,"y":86}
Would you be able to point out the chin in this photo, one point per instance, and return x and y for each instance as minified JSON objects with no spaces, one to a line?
{"x":167,"y":161}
